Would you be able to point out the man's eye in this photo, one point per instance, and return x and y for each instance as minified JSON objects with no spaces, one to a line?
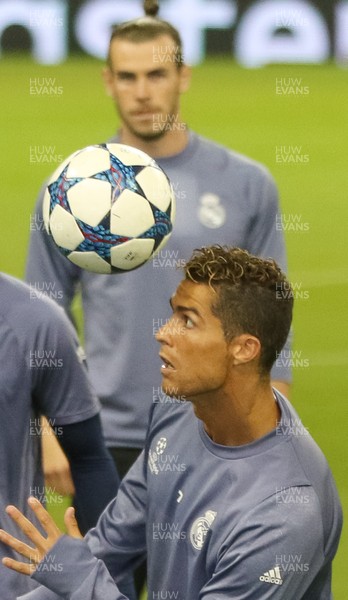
{"x":156,"y":75}
{"x":189,"y":323}
{"x":125,"y":77}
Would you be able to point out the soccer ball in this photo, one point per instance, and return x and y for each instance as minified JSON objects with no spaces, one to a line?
{"x":109,"y":208}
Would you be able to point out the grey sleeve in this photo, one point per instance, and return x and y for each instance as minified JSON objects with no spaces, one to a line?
{"x":81,"y":576}
{"x":119,"y":538}
{"x":93,"y":568}
{"x":71,"y":571}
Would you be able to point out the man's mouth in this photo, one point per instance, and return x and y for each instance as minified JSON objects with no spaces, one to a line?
{"x":143,"y":114}
{"x":166,"y":364}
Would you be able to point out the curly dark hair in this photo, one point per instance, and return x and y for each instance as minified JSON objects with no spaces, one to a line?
{"x":253,"y":296}
{"x":148,"y":28}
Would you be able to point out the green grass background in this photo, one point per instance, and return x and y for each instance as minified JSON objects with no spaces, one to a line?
{"x":241,"y":109}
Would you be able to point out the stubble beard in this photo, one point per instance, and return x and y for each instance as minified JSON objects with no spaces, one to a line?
{"x":147,"y":135}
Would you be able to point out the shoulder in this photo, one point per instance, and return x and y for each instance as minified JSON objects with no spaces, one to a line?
{"x":28,"y":309}
{"x":219,"y":156}
{"x":294,"y":508}
{"x":308,"y":454}
{"x":307,"y":457}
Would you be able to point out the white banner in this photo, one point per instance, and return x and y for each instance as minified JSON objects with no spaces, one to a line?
{"x":260,"y":32}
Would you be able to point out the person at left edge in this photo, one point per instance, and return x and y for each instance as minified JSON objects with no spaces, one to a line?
{"x":42,"y":373}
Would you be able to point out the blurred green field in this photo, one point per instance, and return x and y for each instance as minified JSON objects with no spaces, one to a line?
{"x":243,"y":110}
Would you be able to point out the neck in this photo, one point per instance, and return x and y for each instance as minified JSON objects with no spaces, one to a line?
{"x":239,"y":416}
{"x":170,"y":143}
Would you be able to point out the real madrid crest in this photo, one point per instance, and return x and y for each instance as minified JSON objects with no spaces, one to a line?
{"x":200,"y":529}
{"x":211,"y":213}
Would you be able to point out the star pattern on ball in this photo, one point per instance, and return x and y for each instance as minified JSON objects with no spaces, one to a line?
{"x":121,"y":177}
{"x":59,"y":189}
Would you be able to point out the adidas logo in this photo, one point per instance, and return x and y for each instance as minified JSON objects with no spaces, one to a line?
{"x":272,"y":576}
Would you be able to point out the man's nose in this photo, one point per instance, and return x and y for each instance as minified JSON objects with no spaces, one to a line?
{"x":142,"y":88}
{"x":167,"y":330}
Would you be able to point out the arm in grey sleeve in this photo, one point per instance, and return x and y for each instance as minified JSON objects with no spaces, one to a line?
{"x":47,"y":270}
{"x":79,"y":575}
{"x":100,"y":565}
{"x":119,"y":538}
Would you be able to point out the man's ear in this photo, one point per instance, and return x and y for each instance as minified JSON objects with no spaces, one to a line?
{"x":107,"y":77}
{"x":185,"y":78}
{"x":244,"y":348}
